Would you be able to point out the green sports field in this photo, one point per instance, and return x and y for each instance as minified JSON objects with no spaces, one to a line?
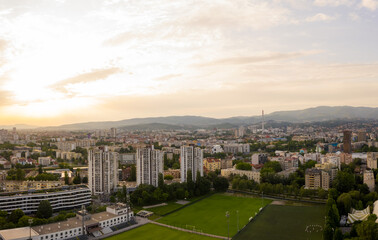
{"x":285,"y":223}
{"x":155,"y":232}
{"x":209,"y":215}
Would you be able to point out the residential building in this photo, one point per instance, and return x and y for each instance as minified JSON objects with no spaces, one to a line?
{"x":67,"y":155}
{"x":372,"y":158}
{"x":346,"y":158}
{"x":84,"y":223}
{"x":347,"y":141}
{"x":251,"y":175}
{"x":361,"y":136}
{"x":369,"y":180}
{"x":191,"y":158}
{"x":102,"y":170}
{"x":127,"y":158}
{"x":67,"y":198}
{"x":44,"y":161}
{"x":149,"y":163}
{"x":212,"y":164}
{"x":317,"y":178}
{"x":237,"y":148}
{"x":259,"y":158}
{"x":226,"y":163}
{"x":13,"y":185}
{"x":216,"y":149}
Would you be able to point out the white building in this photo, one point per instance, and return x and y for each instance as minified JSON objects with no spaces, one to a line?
{"x":251,"y":175}
{"x":372,"y":158}
{"x":369,"y":180}
{"x":237,"y":148}
{"x":191,"y":158}
{"x":73,"y":228}
{"x":44,"y":161}
{"x":149,"y":163}
{"x":216,"y":149}
{"x":102,"y":171}
{"x":59,"y":200}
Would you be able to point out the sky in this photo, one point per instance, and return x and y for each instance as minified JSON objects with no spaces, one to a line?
{"x":68,"y":61}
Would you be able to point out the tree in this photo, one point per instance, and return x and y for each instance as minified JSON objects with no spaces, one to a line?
{"x":85,"y":179}
{"x":112,"y":199}
{"x":328,"y":232}
{"x":168,"y":177}
{"x":66,"y":179}
{"x":344,"y":202}
{"x":333,"y":217}
{"x":244,"y":166}
{"x":344,"y":181}
{"x":133,"y":173}
{"x":367,"y":230}
{"x":40,"y":170}
{"x":338,"y":235}
{"x":276,"y":166}
{"x":77,"y":179}
{"x":44,"y":209}
{"x":190,"y":184}
{"x":220,"y":184}
{"x":15,"y":216}
{"x":160,"y":180}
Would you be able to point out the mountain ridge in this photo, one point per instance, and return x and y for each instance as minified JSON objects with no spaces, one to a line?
{"x":315,"y":114}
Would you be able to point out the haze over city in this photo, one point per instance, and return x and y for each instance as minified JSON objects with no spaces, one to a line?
{"x":74,"y":61}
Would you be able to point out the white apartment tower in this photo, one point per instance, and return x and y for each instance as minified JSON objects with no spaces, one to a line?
{"x":191,"y":158}
{"x":149,"y":163}
{"x":102,"y":171}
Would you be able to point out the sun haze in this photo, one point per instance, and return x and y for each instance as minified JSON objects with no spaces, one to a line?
{"x":75,"y":61}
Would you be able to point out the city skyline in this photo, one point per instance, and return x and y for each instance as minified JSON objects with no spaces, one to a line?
{"x":68,"y":61}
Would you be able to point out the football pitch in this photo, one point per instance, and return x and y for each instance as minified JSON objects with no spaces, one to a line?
{"x":286,"y":223}
{"x":209,"y":215}
{"x":155,"y":232}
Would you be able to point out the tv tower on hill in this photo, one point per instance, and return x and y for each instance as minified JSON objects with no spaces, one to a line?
{"x":263,"y":122}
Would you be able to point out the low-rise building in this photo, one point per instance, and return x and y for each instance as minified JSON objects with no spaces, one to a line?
{"x":371,"y":159}
{"x":44,"y":161}
{"x":251,"y":175}
{"x":212,"y":164}
{"x":226,"y":163}
{"x":14,"y":186}
{"x":369,"y":180}
{"x":83,"y":224}
{"x":317,"y":178}
{"x":60,"y":199}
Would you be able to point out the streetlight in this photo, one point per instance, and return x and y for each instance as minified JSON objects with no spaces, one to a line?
{"x":30,"y":221}
{"x":237,"y":215}
{"x":228,"y":224}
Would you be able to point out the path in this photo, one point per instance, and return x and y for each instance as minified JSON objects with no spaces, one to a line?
{"x":187,"y":230}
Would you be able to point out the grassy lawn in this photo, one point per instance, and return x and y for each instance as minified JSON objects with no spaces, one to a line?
{"x":208,"y":215}
{"x":165,"y":209}
{"x":155,"y":232}
{"x":285,"y":223}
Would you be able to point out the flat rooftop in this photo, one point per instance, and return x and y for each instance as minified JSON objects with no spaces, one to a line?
{"x":24,"y":232}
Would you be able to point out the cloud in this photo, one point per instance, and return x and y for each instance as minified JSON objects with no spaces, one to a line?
{"x":256,"y":59}
{"x":333,"y":3}
{"x":94,"y":75}
{"x":5,"y":98}
{"x":168,"y":77}
{"x":370,"y":4}
{"x":354,"y":16}
{"x":320,"y":17}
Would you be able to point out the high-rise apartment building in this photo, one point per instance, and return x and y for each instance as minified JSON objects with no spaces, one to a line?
{"x":149,"y":163}
{"x":102,"y":170}
{"x":347,"y":141}
{"x":372,"y":158}
{"x":191,"y":158}
{"x":317,"y":178}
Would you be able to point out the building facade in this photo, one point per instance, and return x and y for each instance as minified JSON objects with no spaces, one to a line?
{"x":251,"y":175}
{"x":149,"y":163}
{"x":59,"y":200}
{"x":372,"y":158}
{"x":102,"y":171}
{"x":191,"y":158}
{"x":347,"y":141}
{"x":369,"y":180}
